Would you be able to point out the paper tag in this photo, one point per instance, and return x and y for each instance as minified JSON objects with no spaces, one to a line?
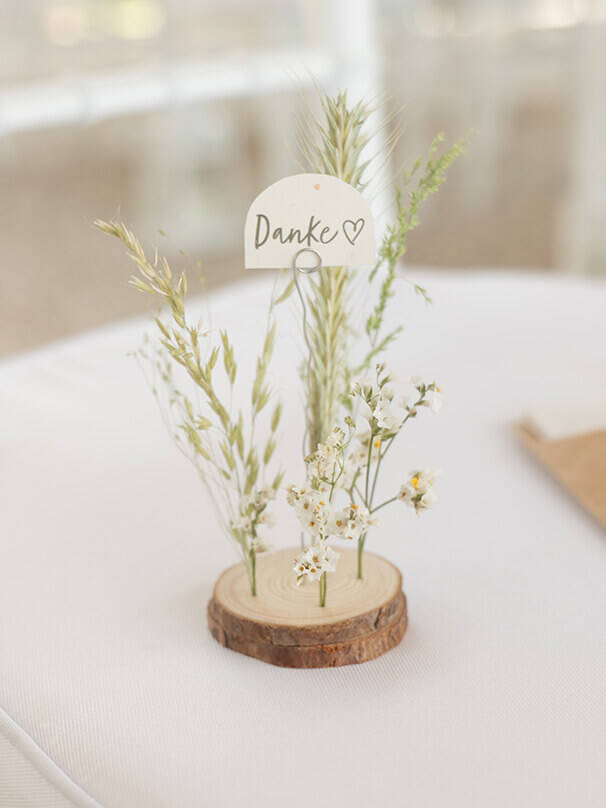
{"x":309,"y":212}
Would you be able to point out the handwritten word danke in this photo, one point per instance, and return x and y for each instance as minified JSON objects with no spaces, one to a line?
{"x":314,"y":233}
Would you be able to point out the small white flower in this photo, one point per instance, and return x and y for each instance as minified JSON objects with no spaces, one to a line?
{"x":252,"y":511}
{"x":362,"y":388}
{"x":312,"y":509}
{"x":259,"y":545}
{"x":386,"y":418}
{"x":314,"y":561}
{"x":266,"y":519}
{"x":329,"y":558}
{"x":242,"y":524}
{"x":338,"y":522}
{"x":336,"y":438}
{"x":323,"y":465}
{"x":351,"y":465}
{"x":409,"y":396}
{"x":434,"y":398}
{"x":350,"y":522}
{"x":364,"y":438}
{"x":294,"y":494}
{"x":356,"y":458}
{"x":428,"y":499}
{"x":417,"y":492}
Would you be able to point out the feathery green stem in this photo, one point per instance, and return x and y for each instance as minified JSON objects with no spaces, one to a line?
{"x":212,"y":435}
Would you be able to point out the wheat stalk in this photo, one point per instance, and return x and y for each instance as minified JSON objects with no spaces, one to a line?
{"x":210,"y":434}
{"x":334,"y":147}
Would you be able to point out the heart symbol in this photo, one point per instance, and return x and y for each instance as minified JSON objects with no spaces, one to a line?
{"x":317,"y":186}
{"x":353,"y":228}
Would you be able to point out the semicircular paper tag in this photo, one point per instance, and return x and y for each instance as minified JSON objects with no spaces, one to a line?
{"x":309,"y":211}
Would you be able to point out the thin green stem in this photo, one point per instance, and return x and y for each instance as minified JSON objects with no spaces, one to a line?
{"x":361,"y":541}
{"x":354,"y":484}
{"x":382,"y":454}
{"x":322,"y":589}
{"x":383,"y":504}
{"x":376,"y":476}
{"x":253,"y":572}
{"x":368,"y":459}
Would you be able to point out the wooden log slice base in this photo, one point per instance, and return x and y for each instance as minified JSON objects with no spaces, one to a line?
{"x":284,"y":624}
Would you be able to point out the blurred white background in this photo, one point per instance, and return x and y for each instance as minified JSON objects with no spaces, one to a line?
{"x":176,"y":113}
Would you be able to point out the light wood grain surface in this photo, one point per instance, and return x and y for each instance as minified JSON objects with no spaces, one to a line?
{"x":281,"y":601}
{"x":284,"y":624}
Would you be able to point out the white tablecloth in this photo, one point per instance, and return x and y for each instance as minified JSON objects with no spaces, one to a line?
{"x":112,"y":691}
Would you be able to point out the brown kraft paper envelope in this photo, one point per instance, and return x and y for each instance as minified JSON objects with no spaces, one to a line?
{"x":578,"y":463}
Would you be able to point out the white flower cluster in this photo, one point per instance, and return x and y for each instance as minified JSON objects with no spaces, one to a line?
{"x":387,"y":412}
{"x":314,"y":561}
{"x":421,"y":394}
{"x":312,"y":509}
{"x":252,"y":513}
{"x":325,"y":463}
{"x":356,"y":458}
{"x":350,"y":522}
{"x":322,"y":520}
{"x":347,"y":465}
{"x":417,"y":492}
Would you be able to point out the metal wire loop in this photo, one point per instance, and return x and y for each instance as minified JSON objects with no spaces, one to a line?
{"x":307,"y":270}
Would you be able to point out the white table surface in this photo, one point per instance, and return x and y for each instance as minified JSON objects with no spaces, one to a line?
{"x":113,"y":693}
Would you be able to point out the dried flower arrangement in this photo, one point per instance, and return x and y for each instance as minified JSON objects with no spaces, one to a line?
{"x":351,"y":422}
